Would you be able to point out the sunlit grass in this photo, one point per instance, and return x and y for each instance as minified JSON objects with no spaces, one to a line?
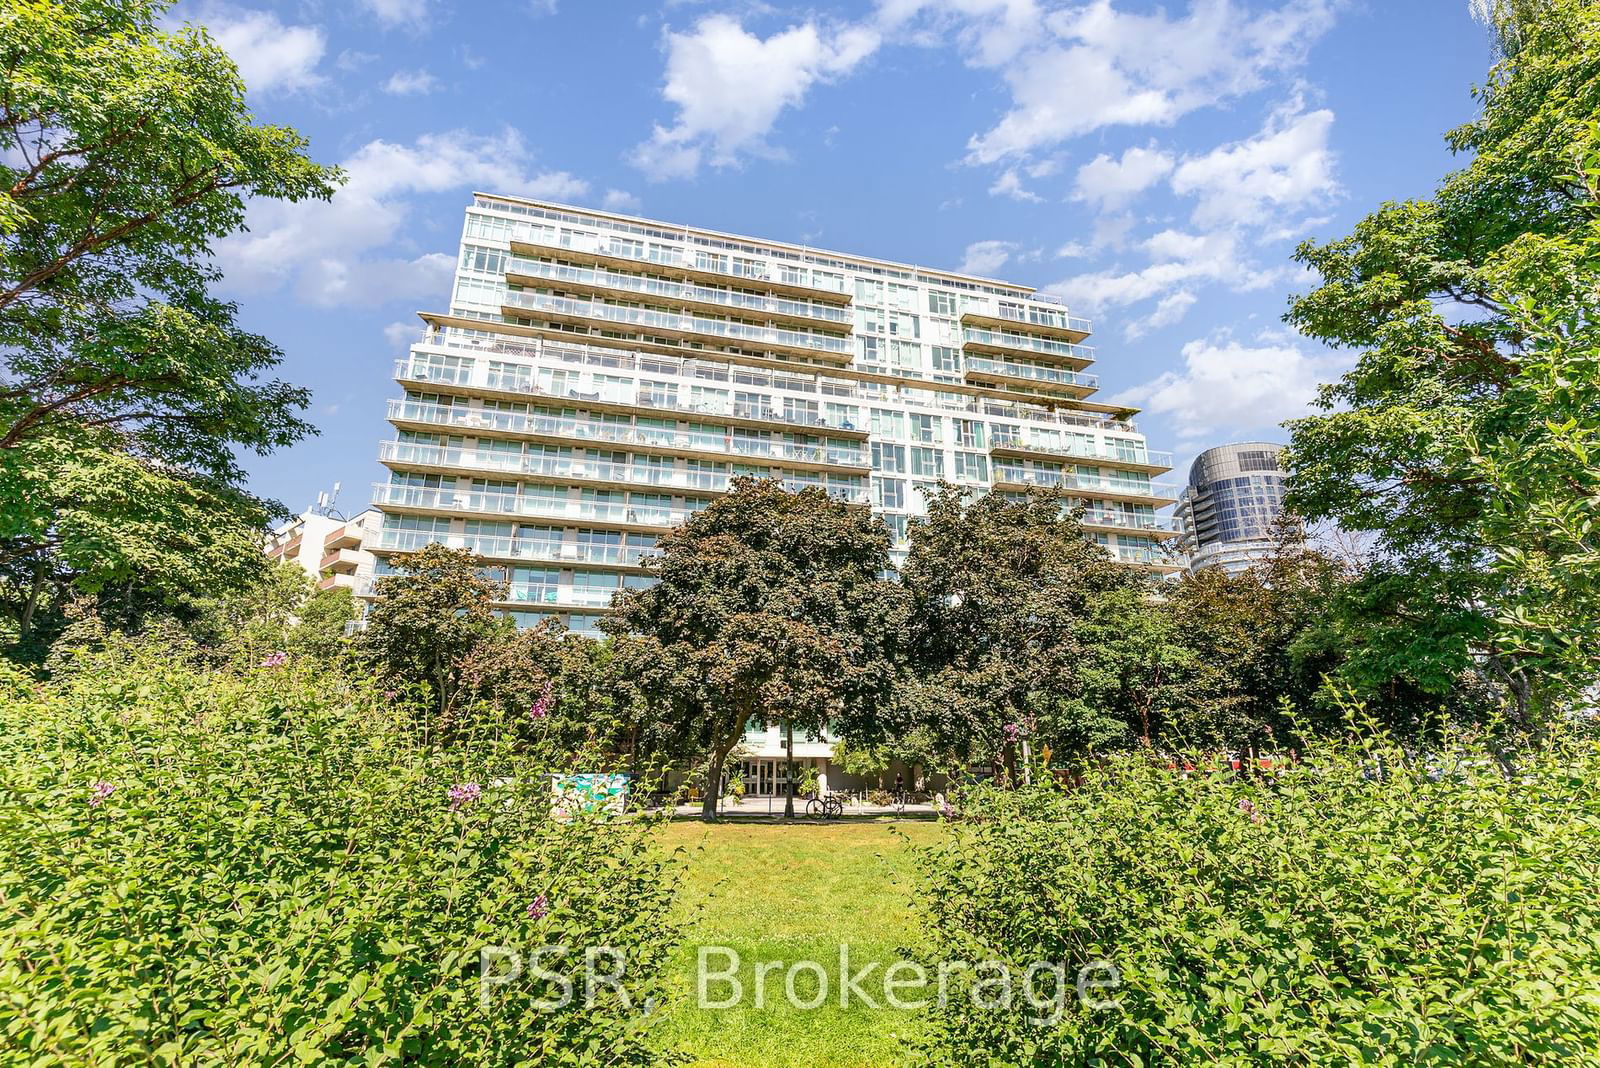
{"x":776,"y":893}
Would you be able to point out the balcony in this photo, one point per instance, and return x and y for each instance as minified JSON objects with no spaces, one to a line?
{"x":1156,"y":526}
{"x":982,"y":371}
{"x":631,"y":255}
{"x":562,"y":470}
{"x":1157,"y":494}
{"x":519,"y":550}
{"x":428,"y":500}
{"x":756,"y":340}
{"x":1006,"y":344}
{"x":630,"y":399}
{"x":1045,"y":322}
{"x":342,"y":561}
{"x":597,"y":281}
{"x":844,"y":456}
{"x":1140,"y":459}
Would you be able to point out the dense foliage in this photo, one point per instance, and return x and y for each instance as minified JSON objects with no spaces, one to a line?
{"x":1461,"y":438}
{"x":127,"y":389}
{"x":222,"y":867}
{"x":1363,"y":907}
{"x":770,"y":606}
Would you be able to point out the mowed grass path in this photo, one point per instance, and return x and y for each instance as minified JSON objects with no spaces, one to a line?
{"x":776,"y":893}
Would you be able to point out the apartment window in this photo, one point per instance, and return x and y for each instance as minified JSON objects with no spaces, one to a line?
{"x":927,"y":462}
{"x":710,"y":261}
{"x":905,"y":326}
{"x":946,"y":359}
{"x":485,"y":260}
{"x":844,"y":416}
{"x":925,"y":428}
{"x":972,"y":467}
{"x":969,"y":433}
{"x":796,"y":410}
{"x":888,"y":424}
{"x":902,"y":297}
{"x":869,"y":292}
{"x":658,"y":394}
{"x":941,"y":303}
{"x":889,"y":493}
{"x":889,"y":458}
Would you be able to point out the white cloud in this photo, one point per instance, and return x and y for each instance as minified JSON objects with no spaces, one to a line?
{"x":1287,"y":166}
{"x":410,"y":83}
{"x":730,"y":86}
{"x":271,"y":56}
{"x":351,"y":59}
{"x":1226,"y":388}
{"x":1089,"y":66}
{"x":620,"y":200}
{"x":1009,"y":184}
{"x":1178,"y":261}
{"x":984,"y":258}
{"x":401,"y":335}
{"x":398,"y":12}
{"x":1169,"y":310}
{"x":345,"y":251}
{"x":1110,"y":184}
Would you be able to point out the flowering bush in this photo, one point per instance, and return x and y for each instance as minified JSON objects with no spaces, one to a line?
{"x":1354,"y":909}
{"x":264,"y":866}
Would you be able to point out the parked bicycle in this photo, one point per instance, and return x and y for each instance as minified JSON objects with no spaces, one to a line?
{"x":827,"y":807}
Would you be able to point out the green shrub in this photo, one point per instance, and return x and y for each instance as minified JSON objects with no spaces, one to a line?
{"x":266,"y":868}
{"x":1321,"y":914}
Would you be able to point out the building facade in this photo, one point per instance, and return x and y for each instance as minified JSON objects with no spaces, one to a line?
{"x":331,"y":549}
{"x":594,"y":379}
{"x":1228,"y":510}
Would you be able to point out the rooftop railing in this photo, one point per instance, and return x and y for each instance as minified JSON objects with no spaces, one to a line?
{"x":1028,"y":343}
{"x":1033,"y":372}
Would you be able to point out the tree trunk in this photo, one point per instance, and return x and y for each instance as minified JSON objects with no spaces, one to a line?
{"x":788,"y":802}
{"x":25,"y":624}
{"x":713,"y":792}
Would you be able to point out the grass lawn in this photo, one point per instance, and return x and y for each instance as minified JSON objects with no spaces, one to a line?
{"x":776,"y":893}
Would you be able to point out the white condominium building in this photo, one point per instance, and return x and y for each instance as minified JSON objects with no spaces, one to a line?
{"x":596,"y":378}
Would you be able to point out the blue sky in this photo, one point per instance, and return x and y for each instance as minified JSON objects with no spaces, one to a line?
{"x":1155,"y":165}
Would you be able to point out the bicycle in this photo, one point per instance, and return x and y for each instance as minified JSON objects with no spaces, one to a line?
{"x":828,"y":807}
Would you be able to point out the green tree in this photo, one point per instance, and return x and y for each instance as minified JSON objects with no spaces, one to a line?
{"x":427,"y":621}
{"x":770,"y":606}
{"x":126,"y":151}
{"x":999,"y":588}
{"x":1444,"y":298}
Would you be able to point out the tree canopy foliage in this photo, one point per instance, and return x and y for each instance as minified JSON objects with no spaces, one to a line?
{"x":1460,"y":438}
{"x":127,"y":150}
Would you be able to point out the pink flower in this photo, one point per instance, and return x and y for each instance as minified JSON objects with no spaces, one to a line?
{"x":541,"y":707}
{"x":273,"y":660}
{"x":390,"y":695}
{"x":102,"y":790}
{"x":463,"y":794}
{"x":1013,"y":733}
{"x":538,"y":908}
{"x":1248,"y":807}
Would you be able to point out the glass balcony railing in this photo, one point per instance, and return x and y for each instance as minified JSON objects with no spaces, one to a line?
{"x":580,"y":354}
{"x":528,"y":505}
{"x":1033,"y":372}
{"x":651,"y":319}
{"x":460,"y":417}
{"x":1127,"y":520}
{"x":745,"y":303}
{"x":542,"y":550}
{"x":656,"y":398}
{"x":581,"y":469}
{"x":1073,"y":481}
{"x":1035,"y":316}
{"x":681,"y":259}
{"x":1027,"y":343}
{"x":1086,"y":451}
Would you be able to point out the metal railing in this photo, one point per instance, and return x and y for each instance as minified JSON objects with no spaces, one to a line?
{"x":1028,"y":343}
{"x":651,"y":319}
{"x":1033,"y":372}
{"x":1074,"y":481}
{"x":460,"y":417}
{"x":750,"y":303}
{"x":580,"y":469}
{"x":1078,"y":449}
